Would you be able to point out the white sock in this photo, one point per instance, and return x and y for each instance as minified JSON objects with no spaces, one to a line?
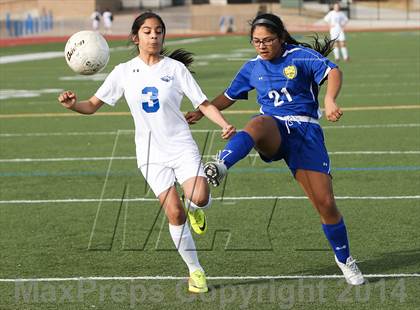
{"x":344,"y":53}
{"x":336,"y":52}
{"x":191,"y":206}
{"x":184,"y":242}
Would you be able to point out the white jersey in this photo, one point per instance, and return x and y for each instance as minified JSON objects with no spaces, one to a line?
{"x":154,"y":94}
{"x":337,"y":21}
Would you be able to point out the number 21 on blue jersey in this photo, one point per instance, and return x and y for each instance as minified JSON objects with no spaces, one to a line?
{"x":273,"y":94}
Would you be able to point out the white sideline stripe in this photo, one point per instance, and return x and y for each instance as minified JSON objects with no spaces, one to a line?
{"x":58,"y":159}
{"x":371,"y":126}
{"x":87,"y":133}
{"x":232,"y":112}
{"x":77,"y":200}
{"x":19,"y":160}
{"x":372,"y":152}
{"x":284,"y":277}
{"x":30,"y":57}
{"x":58,"y":54}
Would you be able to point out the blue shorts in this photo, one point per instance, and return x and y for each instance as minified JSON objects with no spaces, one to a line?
{"x":302,"y":147}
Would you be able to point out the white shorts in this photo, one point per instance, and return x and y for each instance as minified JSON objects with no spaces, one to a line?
{"x":337,"y":34}
{"x":160,"y":177}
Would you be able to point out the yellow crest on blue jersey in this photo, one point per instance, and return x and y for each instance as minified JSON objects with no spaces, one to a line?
{"x":290,"y":72}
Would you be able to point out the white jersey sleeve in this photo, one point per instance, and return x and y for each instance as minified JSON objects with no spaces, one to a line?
{"x":112,"y":89}
{"x":327,"y":18}
{"x":190,"y":87}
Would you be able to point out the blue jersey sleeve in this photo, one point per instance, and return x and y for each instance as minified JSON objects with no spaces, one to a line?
{"x":319,"y":66}
{"x":241,"y":84}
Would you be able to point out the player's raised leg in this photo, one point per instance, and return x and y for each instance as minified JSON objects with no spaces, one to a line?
{"x":260,"y":132}
{"x":183,"y":240}
{"x":318,"y":188}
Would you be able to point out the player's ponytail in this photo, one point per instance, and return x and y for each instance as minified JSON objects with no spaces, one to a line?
{"x":275,"y":24}
{"x":181,"y":55}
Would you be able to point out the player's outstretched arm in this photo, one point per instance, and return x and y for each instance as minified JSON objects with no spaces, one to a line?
{"x":221,"y":102}
{"x":213,"y":114}
{"x":332,"y":110}
{"x":68,"y":99}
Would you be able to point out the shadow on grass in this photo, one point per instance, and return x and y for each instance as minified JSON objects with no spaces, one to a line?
{"x":378,"y":265}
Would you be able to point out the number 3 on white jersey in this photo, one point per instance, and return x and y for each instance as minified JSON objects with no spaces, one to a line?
{"x":273,"y":94}
{"x":150,"y":100}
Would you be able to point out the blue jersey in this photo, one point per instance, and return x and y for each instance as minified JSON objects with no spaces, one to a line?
{"x":287,"y":85}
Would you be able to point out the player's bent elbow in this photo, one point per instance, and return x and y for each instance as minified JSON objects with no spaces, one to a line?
{"x":94,"y":105}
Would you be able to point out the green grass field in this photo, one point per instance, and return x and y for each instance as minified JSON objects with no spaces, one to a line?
{"x":61,"y":173}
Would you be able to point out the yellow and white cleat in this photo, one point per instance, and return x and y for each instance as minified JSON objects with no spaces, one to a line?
{"x":198,"y":221}
{"x":197,"y":282}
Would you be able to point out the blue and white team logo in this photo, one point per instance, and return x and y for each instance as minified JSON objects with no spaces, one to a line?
{"x":167,"y":78}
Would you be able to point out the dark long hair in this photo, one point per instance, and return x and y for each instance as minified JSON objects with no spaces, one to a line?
{"x":139,"y":21}
{"x":179,"y":54}
{"x":275,"y":24}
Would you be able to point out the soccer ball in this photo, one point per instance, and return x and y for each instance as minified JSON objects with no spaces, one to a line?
{"x":86,"y":52}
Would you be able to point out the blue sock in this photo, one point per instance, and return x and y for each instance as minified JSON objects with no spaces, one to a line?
{"x":337,"y":236}
{"x":237,"y":148}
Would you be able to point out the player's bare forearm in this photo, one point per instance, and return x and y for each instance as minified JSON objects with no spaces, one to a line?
{"x":86,"y":107}
{"x":220,"y":102}
{"x":213,"y":114}
{"x":68,"y":99}
{"x":332,"y":110}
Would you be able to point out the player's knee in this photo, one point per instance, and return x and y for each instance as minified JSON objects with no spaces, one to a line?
{"x":202,"y":201}
{"x":328,"y":211}
{"x":176,"y":215}
{"x":257,"y":126}
{"x":326,"y":204}
{"x":257,"y":123}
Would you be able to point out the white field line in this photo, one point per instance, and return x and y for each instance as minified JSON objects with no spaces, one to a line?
{"x":371,"y":126}
{"x":28,"y":160}
{"x":359,"y":62}
{"x":171,"y":278}
{"x":59,"y":54}
{"x":91,"y":200}
{"x":105,"y":133}
{"x":30,"y":57}
{"x":231,"y":112}
{"x":381,"y":94}
{"x":62,"y":159}
{"x":374,"y":152}
{"x":359,"y":85}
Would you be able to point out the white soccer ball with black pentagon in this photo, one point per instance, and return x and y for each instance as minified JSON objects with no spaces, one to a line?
{"x":86,"y":52}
